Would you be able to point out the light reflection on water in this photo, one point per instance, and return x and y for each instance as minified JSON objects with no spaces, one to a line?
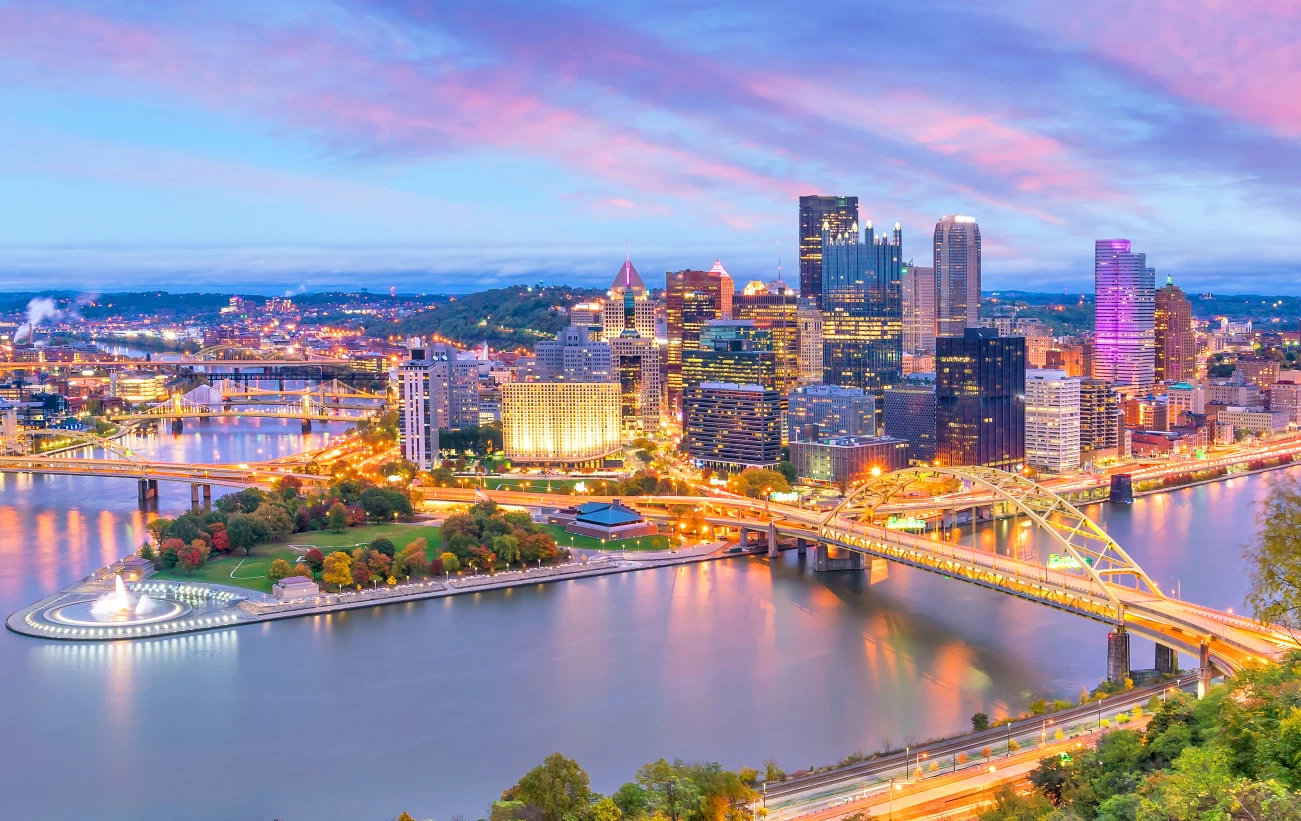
{"x":733,"y":661}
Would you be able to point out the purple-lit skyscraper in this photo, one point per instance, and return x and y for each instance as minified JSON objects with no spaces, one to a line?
{"x":1124,"y":293}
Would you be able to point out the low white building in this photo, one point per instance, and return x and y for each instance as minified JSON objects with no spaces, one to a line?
{"x":1254,"y":420}
{"x":1052,"y":420}
{"x":292,"y":588}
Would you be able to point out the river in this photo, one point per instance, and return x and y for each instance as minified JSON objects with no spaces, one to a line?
{"x":434,"y":707}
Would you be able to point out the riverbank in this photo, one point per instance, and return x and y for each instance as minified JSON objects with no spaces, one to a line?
{"x":226,"y":606}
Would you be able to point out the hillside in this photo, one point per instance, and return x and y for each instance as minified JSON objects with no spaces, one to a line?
{"x":517,"y":316}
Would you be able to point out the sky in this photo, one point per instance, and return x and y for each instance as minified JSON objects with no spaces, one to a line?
{"x":449,"y":147}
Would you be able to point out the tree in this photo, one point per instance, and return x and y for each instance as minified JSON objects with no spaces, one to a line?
{"x":979,"y":722}
{"x":168,"y":558}
{"x":220,"y":538}
{"x":557,"y":788}
{"x":671,"y":794}
{"x":276,"y":519}
{"x":1274,"y":558}
{"x":279,"y":569}
{"x":632,"y":800}
{"x":411,"y":561}
{"x":450,"y":563}
{"x":507,"y":548}
{"x":606,"y":810}
{"x":189,"y":558}
{"x":384,"y":546}
{"x":314,"y":559}
{"x":1008,"y":806}
{"x":336,"y":569}
{"x":246,"y":531}
{"x":337,"y":518}
{"x":753,"y":482}
{"x":146,"y":551}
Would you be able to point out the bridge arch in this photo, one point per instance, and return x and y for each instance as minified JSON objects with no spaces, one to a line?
{"x":1096,"y":554}
{"x":239,"y":351}
{"x":89,"y":440}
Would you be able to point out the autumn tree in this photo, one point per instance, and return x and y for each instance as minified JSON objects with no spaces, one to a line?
{"x":450,"y":563}
{"x":337,"y":569}
{"x":276,"y":519}
{"x":279,"y":569}
{"x":314,"y":559}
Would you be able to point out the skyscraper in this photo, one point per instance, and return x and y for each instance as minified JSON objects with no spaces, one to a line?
{"x":732,"y":427}
{"x":629,"y":306}
{"x":1176,"y":348}
{"x":1052,"y":420}
{"x":957,"y":274}
{"x":910,"y":415}
{"x":839,"y":213}
{"x":775,"y":310}
{"x":574,"y":356}
{"x":693,"y":299}
{"x":862,"y":309}
{"x":831,"y":410}
{"x":731,"y":350}
{"x":1124,"y":315}
{"x":435,"y":390}
{"x":918,"y":309}
{"x":810,"y":319}
{"x":641,"y":381}
{"x":1100,"y":418}
{"x":980,"y":399}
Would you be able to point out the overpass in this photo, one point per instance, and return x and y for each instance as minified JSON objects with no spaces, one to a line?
{"x":1092,"y":577}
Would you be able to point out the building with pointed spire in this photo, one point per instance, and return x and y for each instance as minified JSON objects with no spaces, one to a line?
{"x":862,"y":308}
{"x":629,"y":305}
{"x":1176,"y":347}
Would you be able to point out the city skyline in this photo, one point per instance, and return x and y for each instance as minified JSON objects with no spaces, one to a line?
{"x":309,"y":144}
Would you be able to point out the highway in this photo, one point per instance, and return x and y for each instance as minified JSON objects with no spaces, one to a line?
{"x":860,"y":786}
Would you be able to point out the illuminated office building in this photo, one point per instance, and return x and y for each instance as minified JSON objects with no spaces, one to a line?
{"x":774,"y":310}
{"x":1124,"y":323}
{"x":436,"y":390}
{"x":693,"y":299}
{"x":629,"y":306}
{"x":957,"y":275}
{"x":731,"y":350}
{"x":980,"y":399}
{"x":862,"y":309}
{"x":1101,"y":420}
{"x":815,"y":411}
{"x":810,"y":335}
{"x":560,"y":423}
{"x":573,"y":356}
{"x":732,"y":427}
{"x":918,"y":309}
{"x":641,"y":382}
{"x":839,"y":214}
{"x":1176,"y":347}
{"x":1052,"y":420}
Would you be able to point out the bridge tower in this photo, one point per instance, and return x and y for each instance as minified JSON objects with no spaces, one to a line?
{"x":307,"y":409}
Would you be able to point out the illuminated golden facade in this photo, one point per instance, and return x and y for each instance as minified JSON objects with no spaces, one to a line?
{"x":560,"y":422}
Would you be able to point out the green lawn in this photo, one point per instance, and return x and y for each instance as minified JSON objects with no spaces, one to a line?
{"x":563,"y":537}
{"x":251,"y":571}
{"x":537,"y":484}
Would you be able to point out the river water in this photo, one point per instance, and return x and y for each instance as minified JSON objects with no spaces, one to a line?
{"x":435,"y":707}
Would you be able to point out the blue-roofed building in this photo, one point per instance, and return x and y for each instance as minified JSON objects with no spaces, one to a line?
{"x":604,"y":520}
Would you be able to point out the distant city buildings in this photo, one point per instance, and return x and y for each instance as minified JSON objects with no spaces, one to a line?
{"x":1124,"y":315}
{"x":817,"y":411}
{"x":980,"y":399}
{"x":731,"y":427}
{"x":436,"y":390}
{"x":918,"y":309}
{"x":1052,"y":420}
{"x":862,"y":308}
{"x":1176,"y":346}
{"x":838,"y":214}
{"x":957,"y":274}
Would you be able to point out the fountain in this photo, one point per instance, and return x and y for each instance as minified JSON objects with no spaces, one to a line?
{"x":118,"y":606}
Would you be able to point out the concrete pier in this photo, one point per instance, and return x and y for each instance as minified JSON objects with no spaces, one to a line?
{"x":1117,"y":656}
{"x":824,"y":562}
{"x":1167,"y":660}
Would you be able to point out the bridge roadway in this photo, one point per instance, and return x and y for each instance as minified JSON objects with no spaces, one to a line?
{"x":1224,"y":640}
{"x":256,"y":474}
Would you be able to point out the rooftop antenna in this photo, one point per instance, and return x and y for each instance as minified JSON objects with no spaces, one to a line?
{"x":779,"y":261}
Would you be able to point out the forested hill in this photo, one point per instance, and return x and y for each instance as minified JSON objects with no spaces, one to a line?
{"x":517,"y":316}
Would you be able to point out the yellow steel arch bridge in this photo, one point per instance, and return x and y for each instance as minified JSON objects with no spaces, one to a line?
{"x":1099,"y":579}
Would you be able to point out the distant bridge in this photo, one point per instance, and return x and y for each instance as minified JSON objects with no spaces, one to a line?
{"x":1094,"y":576}
{"x":330,"y":402}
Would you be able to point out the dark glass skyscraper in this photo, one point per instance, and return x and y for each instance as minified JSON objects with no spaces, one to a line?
{"x":957,"y":275}
{"x":840,"y":213}
{"x":980,"y":399}
{"x":862,"y":309}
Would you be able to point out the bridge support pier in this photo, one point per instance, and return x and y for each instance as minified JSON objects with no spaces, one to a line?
{"x":307,"y":426}
{"x":1204,"y":671}
{"x":194,"y":497}
{"x":148,"y":490}
{"x":772,"y":540}
{"x":207,"y":496}
{"x":1122,"y":489}
{"x":824,"y":562}
{"x":802,"y":547}
{"x":1167,"y":660}
{"x":178,"y":426}
{"x":1117,"y":656}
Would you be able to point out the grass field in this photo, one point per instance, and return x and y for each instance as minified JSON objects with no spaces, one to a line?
{"x":251,"y":571}
{"x":563,"y":537}
{"x":537,"y":484}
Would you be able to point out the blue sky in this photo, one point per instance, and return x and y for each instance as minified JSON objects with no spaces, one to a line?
{"x":450,"y":146}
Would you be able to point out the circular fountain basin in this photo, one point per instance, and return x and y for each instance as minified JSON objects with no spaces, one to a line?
{"x":84,"y":614}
